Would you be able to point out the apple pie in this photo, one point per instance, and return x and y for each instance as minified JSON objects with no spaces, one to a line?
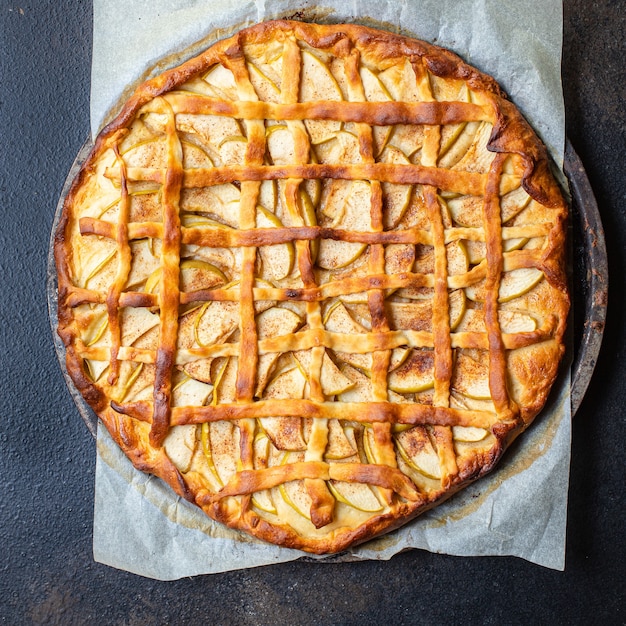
{"x":314,"y":279}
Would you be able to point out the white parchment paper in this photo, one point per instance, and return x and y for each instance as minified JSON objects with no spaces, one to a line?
{"x":520,"y":509}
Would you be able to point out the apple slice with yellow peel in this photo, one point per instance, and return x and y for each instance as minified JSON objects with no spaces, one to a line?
{"x":408,"y":139}
{"x":466,"y":211}
{"x":357,"y":495}
{"x":362,"y":389}
{"x":232,"y":150}
{"x":211,"y":323}
{"x":514,"y":244}
{"x":197,"y":85}
{"x":220,"y":201}
{"x":223,"y":80}
{"x":459,"y":145}
{"x":518,"y":282}
{"x":307,"y":210}
{"x":410,"y":315}
{"x":334,"y":196}
{"x":416,"y":450}
{"x":95,"y":331}
{"x":261,"y":305}
{"x":342,"y":148}
{"x":266,"y":89}
{"x":285,"y":432}
{"x":191,"y":392}
{"x":135,"y":322}
{"x":205,"y":438}
{"x":194,"y":156}
{"x":129,"y":373}
{"x":398,"y":357}
{"x":368,"y":445}
{"x":337,"y":319}
{"x":153,"y":282}
{"x":334,"y":255}
{"x":457,"y":305}
{"x":196,"y":275}
{"x":262,"y":500}
{"x":97,"y":266}
{"x":268,"y":195}
{"x":363,"y":362}
{"x":199,"y":370}
{"x":317,"y":84}
{"x":341,"y":441}
{"x":416,"y":293}
{"x":313,"y":187}
{"x":471,"y":378}
{"x":354,"y":298}
{"x":277,"y":260}
{"x":450,"y":132}
{"x":224,"y":440}
{"x":150,"y":152}
{"x":280,"y":143}
{"x":513,"y":284}
{"x":349,"y":216}
{"x":513,"y":203}
{"x":516,"y":322}
{"x":211,"y":130}
{"x":332,"y":380}
{"x":477,"y":158}
{"x":268,"y":56}
{"x":288,"y":382}
{"x":457,"y":258}
{"x":415,"y":374}
{"x":274,"y":322}
{"x":146,"y":259}
{"x":468,"y":434}
{"x":192,"y":220}
{"x":218,"y":257}
{"x":477,"y":251}
{"x":510,"y":321}
{"x":395,"y":197}
{"x":180,"y":445}
{"x":261,"y":449}
{"x":294,"y":493}
{"x":401,"y":82}
{"x":399,"y":258}
{"x":375,"y":91}
{"x":458,"y":400}
{"x":95,"y":369}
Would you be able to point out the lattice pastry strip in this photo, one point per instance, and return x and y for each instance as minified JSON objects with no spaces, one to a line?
{"x":441,"y":306}
{"x":322,"y":502}
{"x":323,"y":268}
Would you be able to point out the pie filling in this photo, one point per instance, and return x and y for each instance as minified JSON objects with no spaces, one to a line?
{"x":314,"y":280}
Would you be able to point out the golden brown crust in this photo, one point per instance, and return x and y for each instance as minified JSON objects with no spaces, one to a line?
{"x":314,"y":280}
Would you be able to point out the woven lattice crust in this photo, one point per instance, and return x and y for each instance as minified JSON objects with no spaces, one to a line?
{"x":314,"y":279}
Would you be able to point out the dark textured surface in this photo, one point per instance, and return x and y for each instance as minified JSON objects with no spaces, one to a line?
{"x":47,"y":456}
